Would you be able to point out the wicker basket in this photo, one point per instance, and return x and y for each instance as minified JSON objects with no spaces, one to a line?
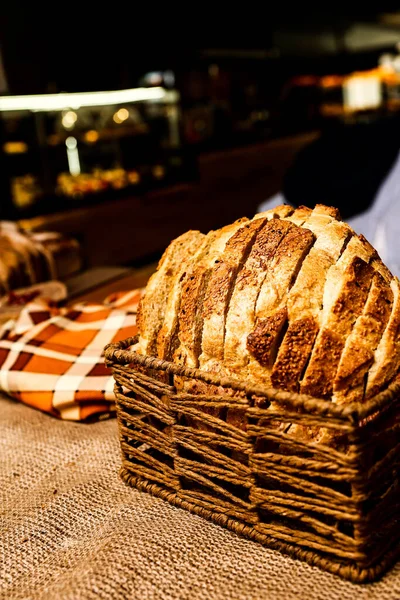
{"x":337,"y":509}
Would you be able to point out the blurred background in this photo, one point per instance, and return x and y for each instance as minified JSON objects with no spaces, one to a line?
{"x":122,"y":130}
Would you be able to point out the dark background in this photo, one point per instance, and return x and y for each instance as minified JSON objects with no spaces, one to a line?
{"x":67,"y":47}
{"x":232,"y":160}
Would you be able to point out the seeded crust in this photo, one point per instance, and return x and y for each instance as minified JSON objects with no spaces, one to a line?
{"x":240,"y":318}
{"x":152,"y":306}
{"x":358,"y":353}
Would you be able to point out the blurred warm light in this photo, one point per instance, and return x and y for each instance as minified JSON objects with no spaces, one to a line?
{"x":158,"y":171}
{"x":362,"y":92}
{"x":69,"y":119}
{"x":15,"y":147}
{"x":121,"y":115}
{"x":91,"y":136}
{"x":133,"y":177}
{"x":331,"y":81}
{"x":56,"y":102}
{"x":305,"y":80}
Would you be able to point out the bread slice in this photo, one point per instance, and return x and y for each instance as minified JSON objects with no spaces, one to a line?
{"x":153,"y":304}
{"x":167,"y":338}
{"x":194,"y":288}
{"x":358,"y":353}
{"x":304,"y":308}
{"x":387,"y":354}
{"x":338,"y":318}
{"x":271,"y":306}
{"x":345,"y":293}
{"x":241,"y":313}
{"x":219,"y":291}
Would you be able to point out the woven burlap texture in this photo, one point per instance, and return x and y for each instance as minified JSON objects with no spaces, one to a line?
{"x":70,"y":529}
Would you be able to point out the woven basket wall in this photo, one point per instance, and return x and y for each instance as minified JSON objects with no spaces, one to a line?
{"x":227,"y":457}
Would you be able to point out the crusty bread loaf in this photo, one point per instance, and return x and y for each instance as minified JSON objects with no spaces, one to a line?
{"x":291,"y":298}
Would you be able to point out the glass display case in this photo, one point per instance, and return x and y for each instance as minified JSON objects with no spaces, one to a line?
{"x":64,"y":150}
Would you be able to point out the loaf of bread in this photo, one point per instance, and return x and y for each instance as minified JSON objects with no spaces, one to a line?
{"x":291,"y":299}
{"x":28,"y":258}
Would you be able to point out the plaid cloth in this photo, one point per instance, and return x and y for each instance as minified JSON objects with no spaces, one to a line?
{"x":52,"y":358}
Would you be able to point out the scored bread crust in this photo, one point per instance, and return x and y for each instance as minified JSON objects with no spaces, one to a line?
{"x":194,"y":289}
{"x":353,"y":284}
{"x":358,"y":352}
{"x":220,"y":287}
{"x":292,"y":298}
{"x":387,"y":353}
{"x":152,"y":306}
{"x":167,"y":338}
{"x":271,"y":307}
{"x":304,"y":308}
{"x":240,"y":317}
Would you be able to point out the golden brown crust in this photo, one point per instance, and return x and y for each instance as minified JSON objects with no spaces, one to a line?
{"x":284,"y":268}
{"x":154,"y":302}
{"x":330,"y":211}
{"x":272,"y":301}
{"x":283,"y":210}
{"x":193,"y":293}
{"x":293,"y":298}
{"x":387,"y":354}
{"x":301,"y":214}
{"x":305,"y":299}
{"x":279,"y":212}
{"x":167,"y":338}
{"x":358,"y":353}
{"x":240,"y":318}
{"x":353,"y":290}
{"x":221,"y":283}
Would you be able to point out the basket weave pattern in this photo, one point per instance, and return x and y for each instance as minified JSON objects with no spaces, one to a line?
{"x":333,"y":506}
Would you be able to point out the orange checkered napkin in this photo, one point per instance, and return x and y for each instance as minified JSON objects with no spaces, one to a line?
{"x":52,"y":358}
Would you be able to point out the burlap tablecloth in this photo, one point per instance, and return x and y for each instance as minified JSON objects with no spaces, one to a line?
{"x":70,"y":529}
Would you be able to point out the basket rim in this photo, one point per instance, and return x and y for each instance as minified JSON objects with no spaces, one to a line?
{"x":354,"y":412}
